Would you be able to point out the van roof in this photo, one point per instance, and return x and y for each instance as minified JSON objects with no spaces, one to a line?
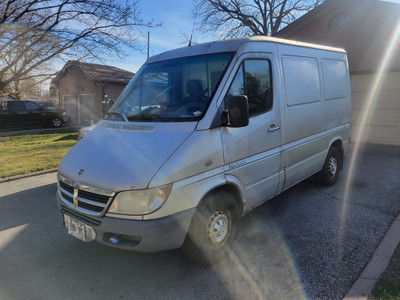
{"x":232,"y":45}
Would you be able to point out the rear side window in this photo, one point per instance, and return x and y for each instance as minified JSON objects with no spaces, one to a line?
{"x":253,"y":79}
{"x":335,"y":79}
{"x":16,"y":106}
{"x":32,"y":106}
{"x":302,"y":82}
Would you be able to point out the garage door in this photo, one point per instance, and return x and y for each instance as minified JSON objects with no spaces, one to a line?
{"x":71,"y":107}
{"x":86,"y":109}
{"x":383,"y":125}
{"x":80,"y":109}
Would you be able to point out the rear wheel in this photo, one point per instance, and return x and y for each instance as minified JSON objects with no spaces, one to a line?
{"x":212,"y":229}
{"x":330,"y":171}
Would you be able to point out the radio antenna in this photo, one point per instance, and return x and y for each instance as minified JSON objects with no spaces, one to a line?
{"x":191,"y":34}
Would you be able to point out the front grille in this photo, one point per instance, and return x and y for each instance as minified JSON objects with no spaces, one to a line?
{"x":66,"y":187}
{"x":92,"y":196}
{"x":69,"y":198}
{"x":89,"y":200}
{"x":90,"y":207}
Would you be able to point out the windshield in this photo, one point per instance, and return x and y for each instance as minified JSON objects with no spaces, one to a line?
{"x":173,"y":90}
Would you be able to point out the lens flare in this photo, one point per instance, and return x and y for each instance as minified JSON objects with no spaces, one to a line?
{"x":372,"y":99}
{"x":260,"y":264}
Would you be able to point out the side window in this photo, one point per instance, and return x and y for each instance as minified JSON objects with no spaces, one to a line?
{"x":335,"y":79}
{"x":253,"y":79}
{"x":301,"y":78}
{"x":32,"y":106}
{"x":16,"y":106}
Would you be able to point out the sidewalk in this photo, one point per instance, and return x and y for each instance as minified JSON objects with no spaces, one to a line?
{"x":380,"y":259}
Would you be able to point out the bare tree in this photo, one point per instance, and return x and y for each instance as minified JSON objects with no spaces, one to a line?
{"x":36,"y":33}
{"x":233,"y":18}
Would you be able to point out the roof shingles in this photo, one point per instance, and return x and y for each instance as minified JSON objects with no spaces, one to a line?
{"x":96,"y":72}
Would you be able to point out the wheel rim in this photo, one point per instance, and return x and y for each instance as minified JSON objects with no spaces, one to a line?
{"x":56,"y":122}
{"x":332,"y":167}
{"x":218,"y":228}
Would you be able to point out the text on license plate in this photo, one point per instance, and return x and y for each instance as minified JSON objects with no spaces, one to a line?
{"x":77,"y":229}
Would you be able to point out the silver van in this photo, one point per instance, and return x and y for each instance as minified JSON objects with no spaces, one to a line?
{"x":201,"y":136}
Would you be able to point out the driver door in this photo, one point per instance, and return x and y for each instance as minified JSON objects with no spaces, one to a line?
{"x":252,"y":153}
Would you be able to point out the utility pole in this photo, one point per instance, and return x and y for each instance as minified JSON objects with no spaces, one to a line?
{"x":148,"y":44}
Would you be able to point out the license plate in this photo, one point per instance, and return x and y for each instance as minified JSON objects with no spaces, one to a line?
{"x":77,"y":229}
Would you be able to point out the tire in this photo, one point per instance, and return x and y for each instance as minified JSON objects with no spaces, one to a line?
{"x":56,"y":123}
{"x":212,"y":229}
{"x":330,"y":171}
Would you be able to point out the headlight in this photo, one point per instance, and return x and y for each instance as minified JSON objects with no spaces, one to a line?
{"x":140,"y":202}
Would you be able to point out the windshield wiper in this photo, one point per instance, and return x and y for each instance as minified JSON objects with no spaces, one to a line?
{"x":146,"y":117}
{"x":116,"y":113}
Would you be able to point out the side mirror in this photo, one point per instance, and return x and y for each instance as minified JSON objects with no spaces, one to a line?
{"x":238,"y":111}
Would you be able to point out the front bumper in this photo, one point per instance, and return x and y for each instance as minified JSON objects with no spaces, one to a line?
{"x":137,"y":235}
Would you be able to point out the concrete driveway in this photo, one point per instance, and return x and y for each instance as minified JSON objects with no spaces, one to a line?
{"x":310,"y":242}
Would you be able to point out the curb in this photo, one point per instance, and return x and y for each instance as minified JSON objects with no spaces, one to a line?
{"x":7,"y":133}
{"x":365,"y":283}
{"x":12,"y":178}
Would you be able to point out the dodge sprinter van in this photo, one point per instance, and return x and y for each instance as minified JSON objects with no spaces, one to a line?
{"x":201,"y":136}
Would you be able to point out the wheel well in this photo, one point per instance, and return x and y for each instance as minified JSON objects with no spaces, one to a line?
{"x":233,"y":191}
{"x":339,"y":145}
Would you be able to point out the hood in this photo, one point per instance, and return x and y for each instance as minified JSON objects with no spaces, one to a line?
{"x":120,"y":156}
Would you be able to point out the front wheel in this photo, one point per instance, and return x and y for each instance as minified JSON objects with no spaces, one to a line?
{"x":330,"y":171}
{"x":212,"y":229}
{"x":56,"y":122}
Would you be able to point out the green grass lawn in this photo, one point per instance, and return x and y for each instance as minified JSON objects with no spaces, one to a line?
{"x":30,"y":153}
{"x":388,"y":286}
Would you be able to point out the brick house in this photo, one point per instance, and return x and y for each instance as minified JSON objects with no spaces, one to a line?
{"x":365,"y":29}
{"x":87,"y":91}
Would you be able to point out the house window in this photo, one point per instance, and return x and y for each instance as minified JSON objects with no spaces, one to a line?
{"x":340,"y":20}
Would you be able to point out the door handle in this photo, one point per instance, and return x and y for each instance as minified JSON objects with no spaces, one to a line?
{"x":273,"y":128}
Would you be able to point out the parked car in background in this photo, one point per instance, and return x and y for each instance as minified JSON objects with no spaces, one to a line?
{"x":18,"y":113}
{"x":51,"y":107}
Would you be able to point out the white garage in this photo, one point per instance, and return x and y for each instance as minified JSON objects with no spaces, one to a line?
{"x":383,"y":123}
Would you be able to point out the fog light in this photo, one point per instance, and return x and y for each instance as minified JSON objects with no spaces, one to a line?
{"x":121,"y":240}
{"x":114,"y":239}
